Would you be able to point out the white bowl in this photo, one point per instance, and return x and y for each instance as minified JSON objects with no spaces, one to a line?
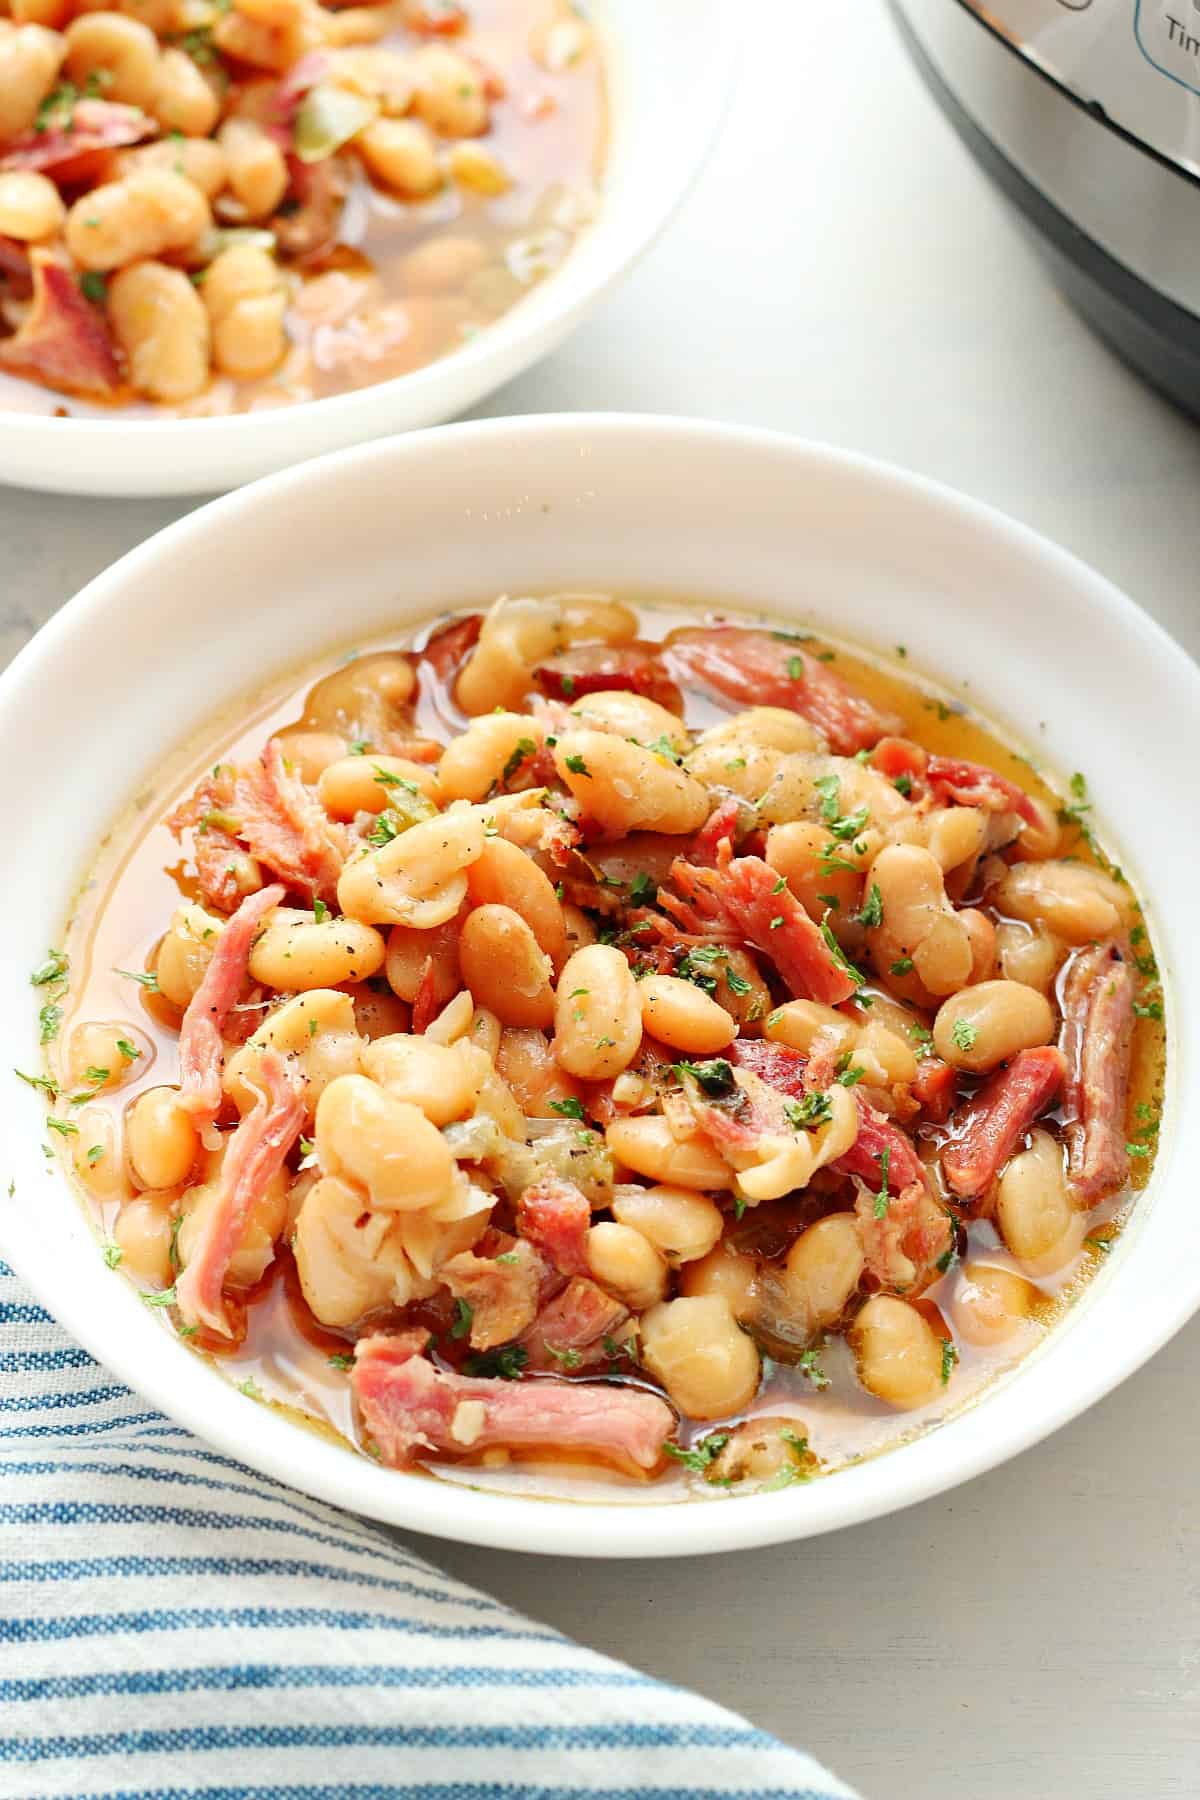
{"x":671,"y":66}
{"x":375,"y":537}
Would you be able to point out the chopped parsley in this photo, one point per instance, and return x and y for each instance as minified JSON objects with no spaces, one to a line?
{"x":250,"y":1388}
{"x":42,"y":1082}
{"x":166,"y":1297}
{"x":642,"y":891}
{"x":386,"y":827}
{"x":882,"y":1197}
{"x":506,"y":1363}
{"x":93,"y":287}
{"x":949,"y":1358}
{"x":809,"y":1365}
{"x":52,"y":971}
{"x":903,"y":784}
{"x":570,"y":1108}
{"x":715,"y":1076}
{"x":112,"y":1254}
{"x":95,"y":1153}
{"x":576,"y":765}
{"x":902,"y":966}
{"x":129,"y":1051}
{"x":320,"y":910}
{"x":567,"y":1359}
{"x":340,"y":1361}
{"x":839,"y":955}
{"x":702,"y":1454}
{"x":964,"y":1033}
{"x":828,"y":786}
{"x":49,"y":1021}
{"x":795,"y":668}
{"x":64,"y":1127}
{"x":464,"y":1318}
{"x":871,"y":914}
{"x":145,"y":978}
{"x":849,"y":1074}
{"x":523,"y":749}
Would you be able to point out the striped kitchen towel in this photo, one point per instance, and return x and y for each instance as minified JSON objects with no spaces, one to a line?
{"x":172,"y":1624}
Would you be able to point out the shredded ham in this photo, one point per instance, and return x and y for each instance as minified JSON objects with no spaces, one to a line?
{"x":743,"y":895}
{"x":308,"y":229}
{"x":15,"y":268}
{"x":719,"y":828}
{"x":762,"y":668}
{"x":63,"y":341}
{"x":1097,"y":1038}
{"x":254,"y":1154}
{"x":554,"y":1215}
{"x":90,"y":125}
{"x":793,"y":1074}
{"x":603,"y":668}
{"x":502,"y":1290}
{"x":408,"y":1406}
{"x":905,"y":1239}
{"x":933,"y":1090}
{"x":570,"y":1330}
{"x":995,"y":1119}
{"x":203,"y":1027}
{"x":953,"y":781}
{"x":284,"y":826}
{"x":446,"y":650}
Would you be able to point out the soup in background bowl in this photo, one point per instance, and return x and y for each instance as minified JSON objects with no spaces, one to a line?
{"x":210,"y":208}
{"x":666,"y":528}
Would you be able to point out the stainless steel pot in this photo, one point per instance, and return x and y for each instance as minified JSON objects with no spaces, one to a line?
{"x":1086,"y":113}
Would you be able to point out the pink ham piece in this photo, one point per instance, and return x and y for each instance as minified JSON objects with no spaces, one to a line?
{"x":446,"y":650}
{"x":786,"y":1069}
{"x":15,"y":268}
{"x":996,"y":1118}
{"x":203,"y":1027}
{"x":63,"y":341}
{"x":719,"y":828}
{"x":1097,"y":1040}
{"x":554,"y":1216}
{"x":408,"y":1406}
{"x":88,"y":126}
{"x":760,"y":668}
{"x":954,"y":782}
{"x":570,"y":1330}
{"x":254,"y":1154}
{"x":743,"y":896}
{"x":602,"y":668}
{"x":284,"y":826}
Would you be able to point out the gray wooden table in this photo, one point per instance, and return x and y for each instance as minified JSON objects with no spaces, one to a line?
{"x":842,"y":272}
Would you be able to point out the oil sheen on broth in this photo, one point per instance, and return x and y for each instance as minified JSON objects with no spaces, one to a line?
{"x":288,"y":1359}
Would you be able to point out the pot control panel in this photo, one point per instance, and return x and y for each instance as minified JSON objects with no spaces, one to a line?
{"x":1137,"y":60}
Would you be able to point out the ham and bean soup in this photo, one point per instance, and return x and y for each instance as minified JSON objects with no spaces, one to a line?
{"x":213,"y":206}
{"x":597,"y":1049}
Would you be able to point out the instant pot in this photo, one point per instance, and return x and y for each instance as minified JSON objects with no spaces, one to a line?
{"x":1086,"y":113}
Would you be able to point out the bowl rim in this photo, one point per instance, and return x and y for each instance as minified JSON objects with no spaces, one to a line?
{"x":531,"y":329}
{"x":656,"y":1528}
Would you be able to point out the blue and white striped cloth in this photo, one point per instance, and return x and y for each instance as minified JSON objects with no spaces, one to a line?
{"x":172,"y":1624}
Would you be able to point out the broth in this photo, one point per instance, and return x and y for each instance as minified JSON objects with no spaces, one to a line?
{"x":290,"y":1360}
